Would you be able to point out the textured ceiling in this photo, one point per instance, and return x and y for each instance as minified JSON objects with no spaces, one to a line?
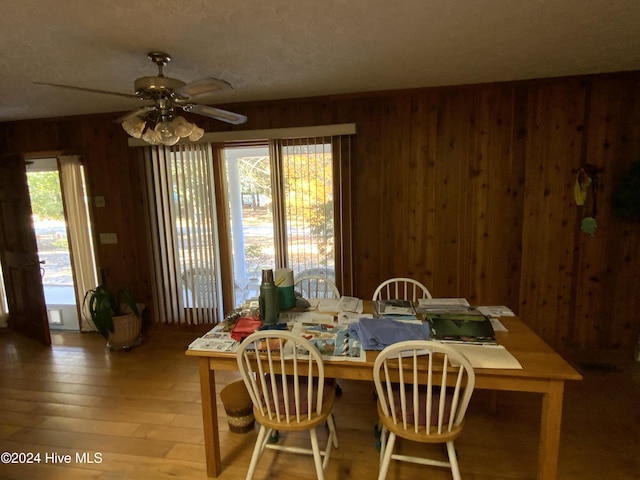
{"x":275,"y":49}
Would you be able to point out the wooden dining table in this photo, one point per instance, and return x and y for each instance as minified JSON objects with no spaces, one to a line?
{"x":543,"y":372}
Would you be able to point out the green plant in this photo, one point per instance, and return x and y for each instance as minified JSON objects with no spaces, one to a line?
{"x":103,"y":304}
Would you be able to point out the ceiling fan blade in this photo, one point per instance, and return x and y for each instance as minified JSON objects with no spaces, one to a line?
{"x":82,"y":89}
{"x":217,"y":113}
{"x":139,"y":111}
{"x":202,"y":87}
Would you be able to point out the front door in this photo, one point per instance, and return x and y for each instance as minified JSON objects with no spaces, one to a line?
{"x":19,"y":253}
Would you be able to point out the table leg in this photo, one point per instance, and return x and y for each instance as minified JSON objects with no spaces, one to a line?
{"x":551,"y":420}
{"x":210,"y":418}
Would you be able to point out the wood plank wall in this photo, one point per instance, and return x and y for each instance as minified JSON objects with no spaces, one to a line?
{"x":468,"y":189}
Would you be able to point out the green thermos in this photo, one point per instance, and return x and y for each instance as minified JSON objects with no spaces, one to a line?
{"x":268,"y":299}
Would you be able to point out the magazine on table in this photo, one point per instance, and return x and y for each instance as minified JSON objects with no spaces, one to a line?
{"x":470,"y":328}
{"x":215,"y":340}
{"x":394,"y":308}
{"x":333,"y":341}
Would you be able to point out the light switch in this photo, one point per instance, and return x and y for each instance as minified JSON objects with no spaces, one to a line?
{"x":108,"y":238}
{"x":99,"y":201}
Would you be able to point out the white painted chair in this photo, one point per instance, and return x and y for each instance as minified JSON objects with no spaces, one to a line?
{"x":401,"y":289}
{"x":200,"y":285}
{"x":315,"y":286}
{"x":410,"y":379}
{"x":287,"y":402}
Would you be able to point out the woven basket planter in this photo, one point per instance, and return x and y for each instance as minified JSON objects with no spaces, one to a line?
{"x":127,"y":331}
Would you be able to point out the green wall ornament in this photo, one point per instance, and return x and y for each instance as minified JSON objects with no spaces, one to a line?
{"x":589,"y":225}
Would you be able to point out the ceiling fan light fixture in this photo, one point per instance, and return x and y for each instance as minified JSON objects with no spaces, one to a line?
{"x":196,"y":134}
{"x":134,"y":126}
{"x":166,"y":133}
{"x":163,"y":129}
{"x":182,"y":127}
{"x":150,"y":136}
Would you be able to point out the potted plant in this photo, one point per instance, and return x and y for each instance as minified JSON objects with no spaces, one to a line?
{"x":116,"y":315}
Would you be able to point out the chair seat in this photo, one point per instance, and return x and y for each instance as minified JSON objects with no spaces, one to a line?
{"x":420,"y":436}
{"x":306,"y":422}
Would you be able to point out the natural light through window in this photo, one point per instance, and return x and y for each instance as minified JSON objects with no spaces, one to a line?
{"x":298,"y":184}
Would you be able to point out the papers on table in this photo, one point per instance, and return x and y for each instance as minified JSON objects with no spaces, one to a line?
{"x":461,"y":305}
{"x":428,"y":306}
{"x":306,"y":317}
{"x":496,"y":311}
{"x":401,"y":310}
{"x":497,"y":325}
{"x":336,"y":305}
{"x":214,"y":345}
{"x":336,"y":343}
{"x":331,"y":338}
{"x":215,"y":340}
{"x":489,"y":356}
{"x":333,"y":341}
{"x":440,"y":305}
{"x":350,"y":304}
{"x":345,"y":318}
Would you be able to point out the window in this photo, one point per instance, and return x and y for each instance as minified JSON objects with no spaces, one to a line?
{"x":221,"y":211}
{"x":281,"y":210}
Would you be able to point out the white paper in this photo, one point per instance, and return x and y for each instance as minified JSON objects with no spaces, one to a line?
{"x":443,"y":302}
{"x":497,"y":325}
{"x":345,"y":318}
{"x":350,"y":304}
{"x":443,"y":305}
{"x":328,"y":304}
{"x":308,"y":317}
{"x":488,"y":356}
{"x":214,"y":344}
{"x":496,"y":311}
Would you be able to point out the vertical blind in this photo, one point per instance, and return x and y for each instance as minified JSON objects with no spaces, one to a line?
{"x":182,"y":217}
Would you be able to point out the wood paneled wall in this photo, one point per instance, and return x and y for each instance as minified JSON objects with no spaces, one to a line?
{"x":468,"y":189}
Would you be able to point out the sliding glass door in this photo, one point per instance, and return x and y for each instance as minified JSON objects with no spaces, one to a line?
{"x":221,"y":212}
{"x":280,"y":200}
{"x":250,"y":199}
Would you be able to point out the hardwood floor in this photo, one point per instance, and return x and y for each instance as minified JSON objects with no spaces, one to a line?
{"x":137,"y":415}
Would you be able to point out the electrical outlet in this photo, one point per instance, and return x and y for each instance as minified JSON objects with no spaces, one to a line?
{"x":99,"y":201}
{"x":108,"y":238}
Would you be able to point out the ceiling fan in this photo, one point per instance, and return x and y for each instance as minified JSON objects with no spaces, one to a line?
{"x":157,"y":122}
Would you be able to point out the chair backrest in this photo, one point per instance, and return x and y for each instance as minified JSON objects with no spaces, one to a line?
{"x":201,"y":289}
{"x":401,"y":289}
{"x":284,"y":374}
{"x":418,"y":380}
{"x":316,"y":286}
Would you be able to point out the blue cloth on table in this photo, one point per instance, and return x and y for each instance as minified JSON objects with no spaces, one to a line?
{"x":378,"y":333}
